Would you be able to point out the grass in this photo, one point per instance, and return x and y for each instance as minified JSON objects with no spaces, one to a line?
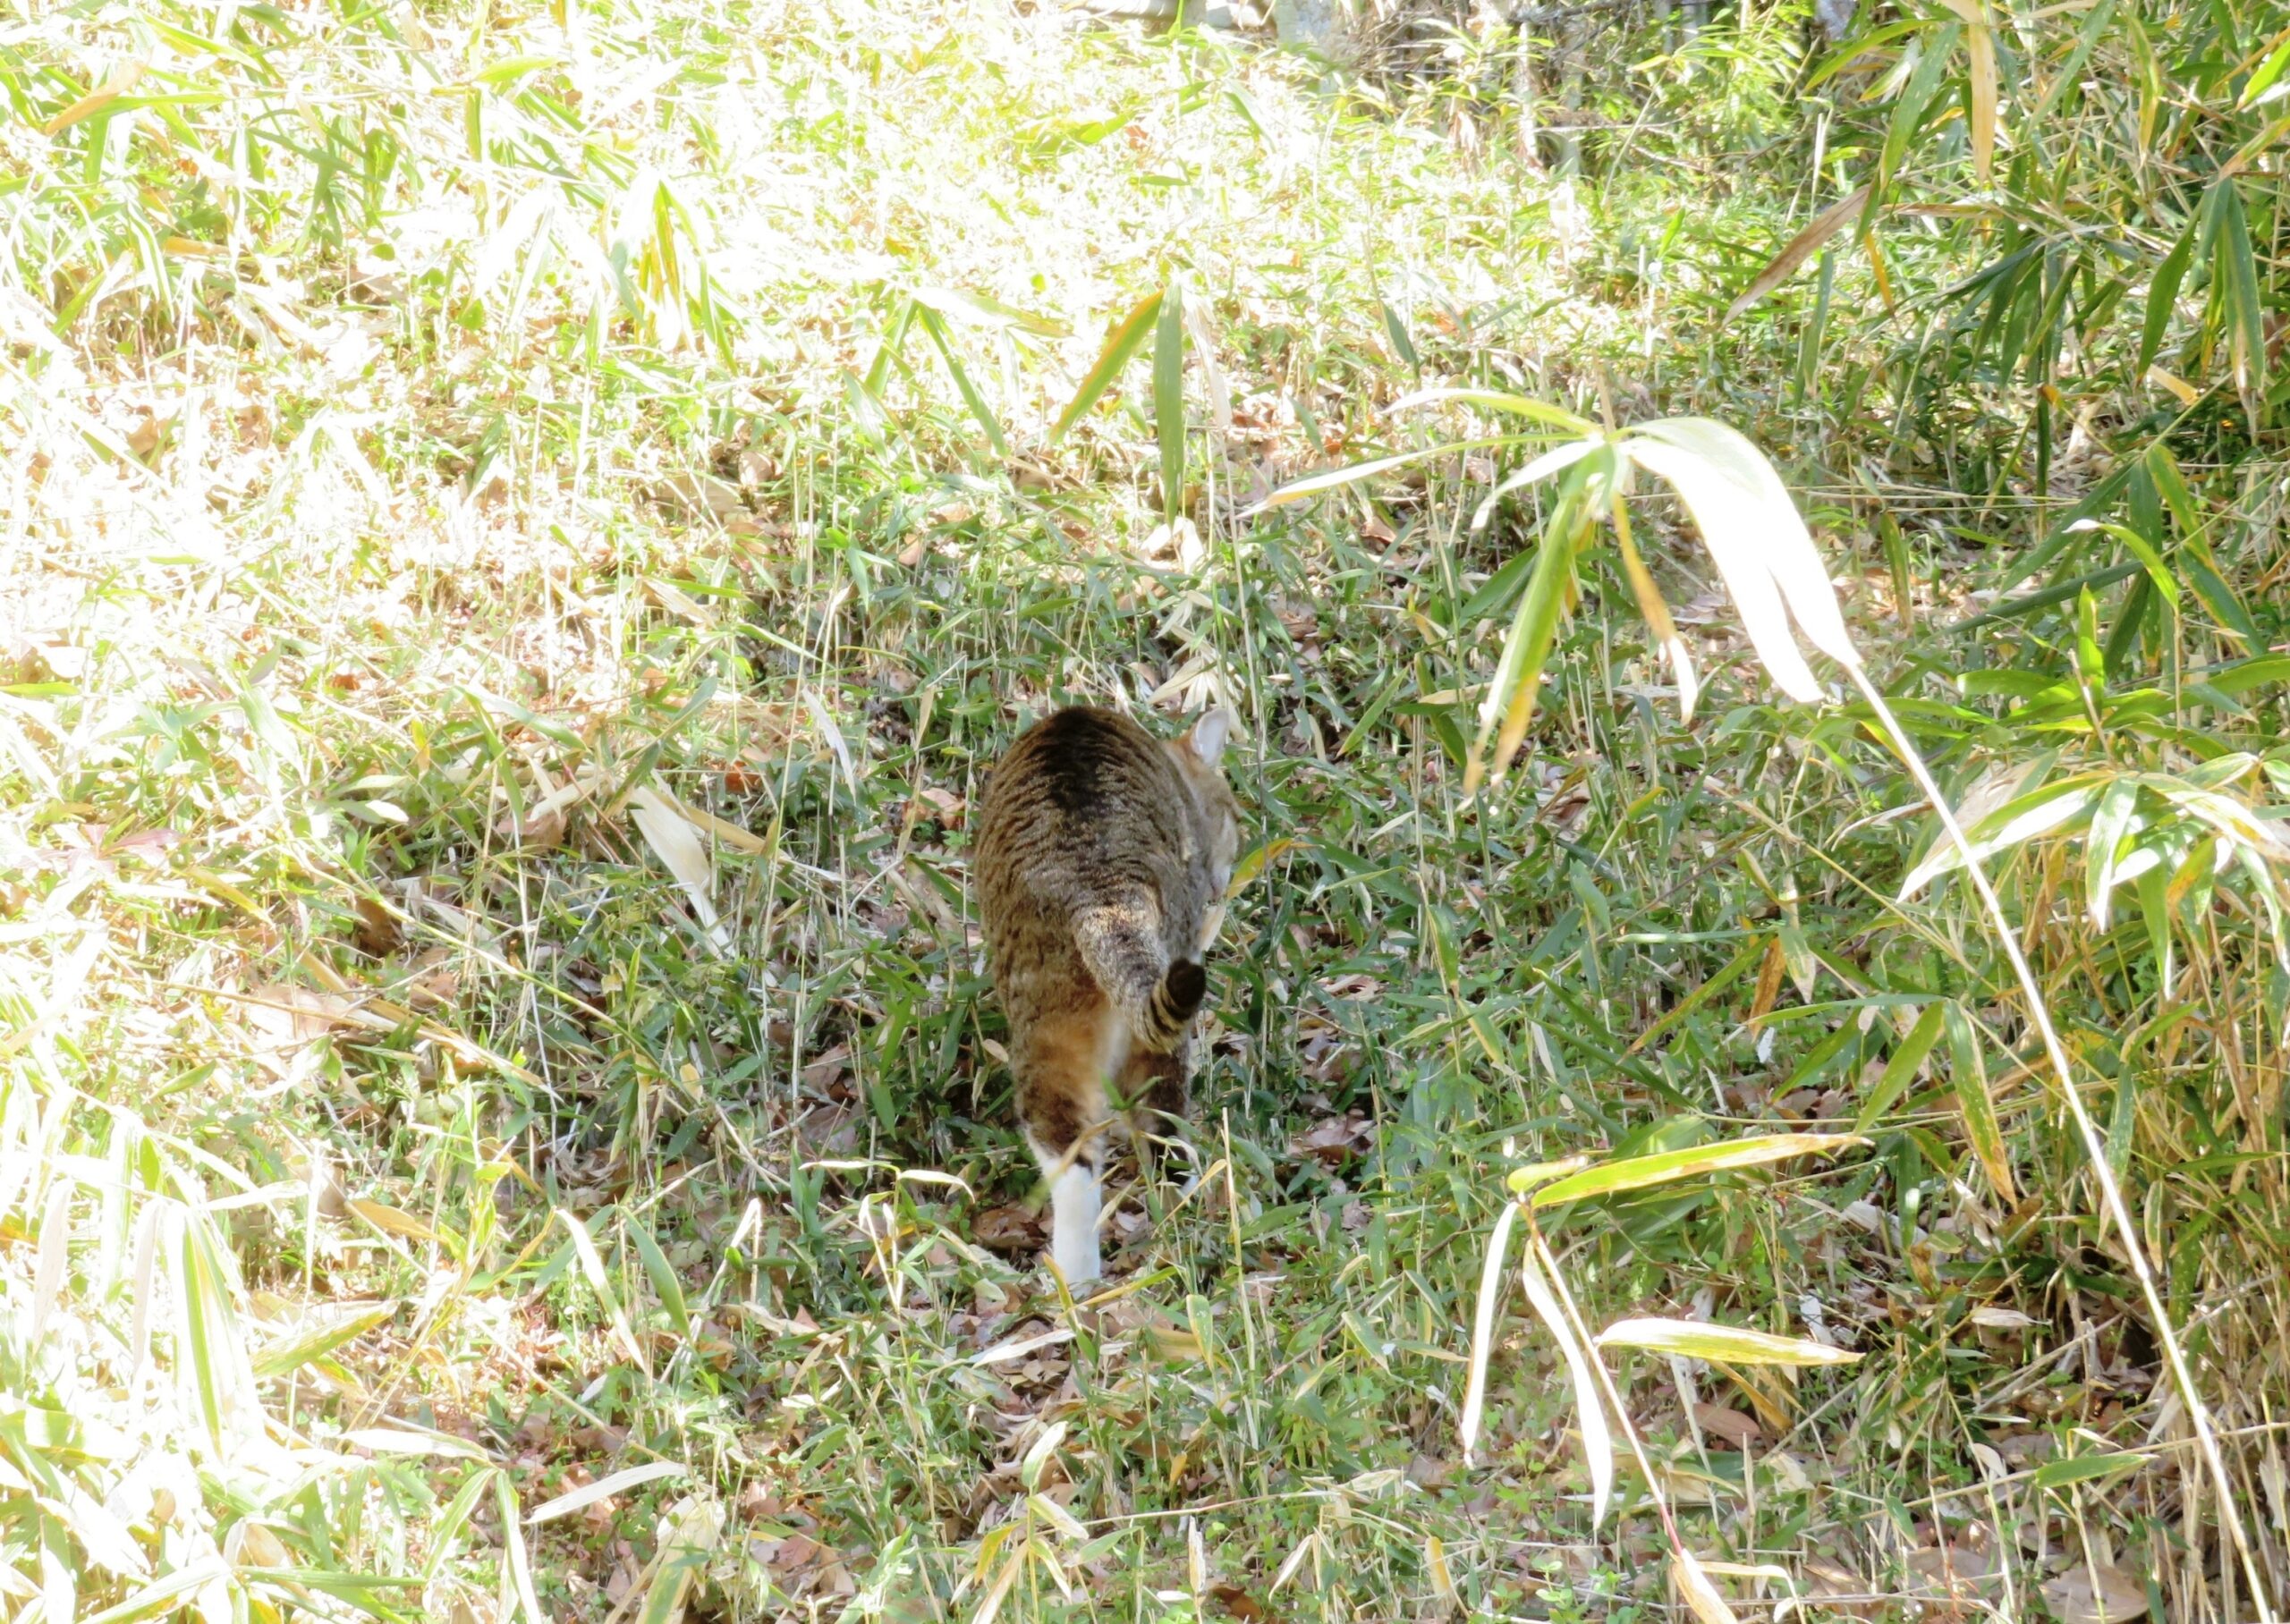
{"x":525,"y":530}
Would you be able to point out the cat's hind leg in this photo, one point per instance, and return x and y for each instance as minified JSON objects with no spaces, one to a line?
{"x":1061,"y":1068}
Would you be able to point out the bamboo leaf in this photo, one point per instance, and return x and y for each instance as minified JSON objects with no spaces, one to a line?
{"x":1701,"y":1597}
{"x":1733,"y":1345}
{"x":1497,"y":399}
{"x":1799,"y":249}
{"x":1666,"y":1167}
{"x":2016,"y":822}
{"x":665,"y":1285}
{"x":515,"y":1561}
{"x":1900,"y":1070}
{"x":2110,"y":823}
{"x":1756,"y":538}
{"x":1168,"y":397}
{"x":1969,"y":1080}
{"x":1651,"y":605}
{"x":1395,"y":329}
{"x":592,"y":1268}
{"x":1312,"y":485}
{"x":1125,"y":339}
{"x":1510,"y":701}
{"x":934,"y":327}
{"x":603,"y":1488}
{"x":293,"y":1352}
{"x":1556,"y":460}
{"x":1590,"y":1413}
{"x":1492,"y":1274}
{"x":677,"y":845}
{"x":1980,"y":49}
{"x":2162,"y":295}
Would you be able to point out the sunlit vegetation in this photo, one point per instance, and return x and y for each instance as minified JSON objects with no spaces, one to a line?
{"x":521,"y":529}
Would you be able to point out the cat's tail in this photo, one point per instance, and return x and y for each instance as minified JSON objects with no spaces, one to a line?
{"x":1158,"y":996}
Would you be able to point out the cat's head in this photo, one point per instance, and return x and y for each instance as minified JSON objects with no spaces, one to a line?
{"x":1199,"y":755}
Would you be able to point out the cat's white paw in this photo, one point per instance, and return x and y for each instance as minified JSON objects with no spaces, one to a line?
{"x":1075,"y":1202}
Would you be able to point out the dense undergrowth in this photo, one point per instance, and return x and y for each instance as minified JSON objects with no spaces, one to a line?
{"x":523,"y":529}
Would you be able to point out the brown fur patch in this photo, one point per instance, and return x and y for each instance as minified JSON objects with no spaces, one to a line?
{"x":1100,"y":851}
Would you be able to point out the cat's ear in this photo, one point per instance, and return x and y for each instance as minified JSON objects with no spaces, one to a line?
{"x":1208,"y":735}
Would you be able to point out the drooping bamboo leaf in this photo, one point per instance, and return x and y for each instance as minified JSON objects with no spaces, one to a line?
{"x":1395,"y":329}
{"x":665,"y":1285}
{"x":1510,"y":701}
{"x":592,"y":1268}
{"x":1693,"y":1340}
{"x":1589,"y":1410}
{"x":1492,"y":1274}
{"x":1126,"y":338}
{"x":1799,"y":249}
{"x":515,"y":1561}
{"x":2227,"y":239}
{"x":1701,"y":1597}
{"x":2110,"y":825}
{"x":1657,"y":611}
{"x":1756,"y":537}
{"x":1667,"y":1167}
{"x":1914,"y":102}
{"x":2162,"y":295}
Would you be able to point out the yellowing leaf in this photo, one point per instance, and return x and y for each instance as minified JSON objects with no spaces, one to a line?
{"x":1701,"y":1597}
{"x":1126,"y":338}
{"x":2187,"y":394}
{"x":1798,"y":250}
{"x":1641,"y":1172}
{"x":390,"y":1220}
{"x":1980,"y":42}
{"x":1969,"y":1080}
{"x":1693,"y":1340}
{"x":116,"y":84}
{"x":1252,"y":864}
{"x":1590,"y":1412}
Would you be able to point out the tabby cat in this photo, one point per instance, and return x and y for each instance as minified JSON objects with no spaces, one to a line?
{"x":1102,"y":855}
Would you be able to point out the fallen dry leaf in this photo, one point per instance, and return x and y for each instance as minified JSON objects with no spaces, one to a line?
{"x":285,"y":1017}
{"x":676,"y":843}
{"x":2095,"y":1593}
{"x":1008,"y":1229}
{"x":1331,"y":1141}
{"x":1735,"y":1427}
